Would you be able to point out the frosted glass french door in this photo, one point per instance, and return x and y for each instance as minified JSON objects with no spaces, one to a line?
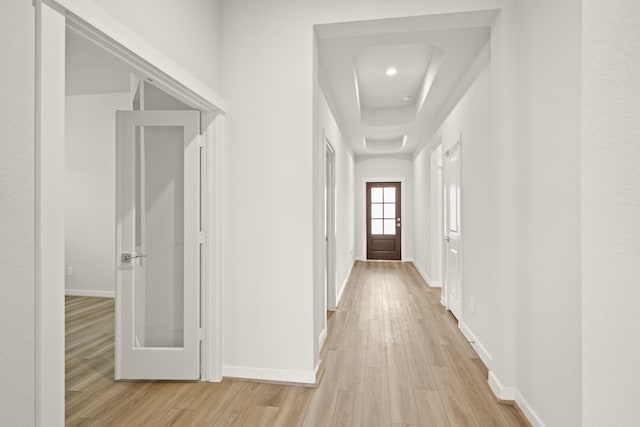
{"x":158,"y":250}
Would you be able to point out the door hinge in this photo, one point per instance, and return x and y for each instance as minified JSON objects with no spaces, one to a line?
{"x":200,"y":334}
{"x":200,"y":141}
{"x":201,"y":237}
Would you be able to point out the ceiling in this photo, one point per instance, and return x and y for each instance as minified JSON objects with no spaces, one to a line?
{"x":382,"y":112}
{"x":91,"y":70}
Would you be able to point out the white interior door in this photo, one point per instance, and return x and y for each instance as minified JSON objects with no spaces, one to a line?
{"x":452,"y":233}
{"x":158,"y":249}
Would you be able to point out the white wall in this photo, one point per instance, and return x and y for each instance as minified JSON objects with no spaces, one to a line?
{"x":384,"y":167}
{"x":520,"y":208}
{"x":422,"y":200}
{"x":17,"y":247}
{"x":548,"y":178}
{"x":274,"y":157}
{"x":436,"y":226}
{"x":90,"y":233}
{"x":471,"y":120}
{"x":427,"y":245}
{"x":344,"y":174}
{"x":187,"y":32}
{"x":610,"y":212}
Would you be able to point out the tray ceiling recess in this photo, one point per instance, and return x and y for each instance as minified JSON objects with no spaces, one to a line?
{"x":391,"y":82}
{"x":388,"y":145}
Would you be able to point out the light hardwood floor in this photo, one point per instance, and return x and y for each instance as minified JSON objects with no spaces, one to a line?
{"x":393,"y":357}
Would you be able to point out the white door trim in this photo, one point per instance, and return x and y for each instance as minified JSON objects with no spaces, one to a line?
{"x":93,"y":23}
{"x":330,"y":221}
{"x":212,"y":266}
{"x":97,"y":26}
{"x":403,"y":205}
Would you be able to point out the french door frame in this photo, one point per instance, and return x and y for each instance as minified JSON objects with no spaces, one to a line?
{"x":402,"y":182}
{"x":53,"y":17}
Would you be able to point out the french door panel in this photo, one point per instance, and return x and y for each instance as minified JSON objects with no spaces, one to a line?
{"x":158,"y":271}
{"x":384,"y":228}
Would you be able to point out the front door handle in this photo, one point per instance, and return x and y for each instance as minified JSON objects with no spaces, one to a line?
{"x":126,"y":257}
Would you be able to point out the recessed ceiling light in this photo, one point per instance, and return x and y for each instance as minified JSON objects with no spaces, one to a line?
{"x":391,"y":71}
{"x":406,"y":98}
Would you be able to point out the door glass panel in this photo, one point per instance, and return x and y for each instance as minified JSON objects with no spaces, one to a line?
{"x":376,"y":195}
{"x":389,"y":210}
{"x":159,"y":284}
{"x":376,"y":210}
{"x":389,"y":195}
{"x":376,"y":226}
{"x":389,"y":226}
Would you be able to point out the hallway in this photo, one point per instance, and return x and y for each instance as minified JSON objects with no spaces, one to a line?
{"x":393,"y":356}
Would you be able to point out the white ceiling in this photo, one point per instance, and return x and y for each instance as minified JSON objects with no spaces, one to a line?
{"x":378,"y":90}
{"x":91,"y":70}
{"x":431,"y":55}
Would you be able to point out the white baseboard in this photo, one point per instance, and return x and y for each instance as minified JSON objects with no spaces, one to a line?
{"x":344,"y":283}
{"x":316,"y":371}
{"x":512,"y":394}
{"x":501,"y":392}
{"x":322,"y":338}
{"x":260,"y":374}
{"x":425,"y":276}
{"x":528,"y":412}
{"x":476,"y":344}
{"x":435,"y":284}
{"x":83,"y":293}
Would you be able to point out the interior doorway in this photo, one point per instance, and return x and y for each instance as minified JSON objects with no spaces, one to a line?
{"x":330,"y":226}
{"x":53,"y":24}
{"x":133,"y":184}
{"x":384,"y":220}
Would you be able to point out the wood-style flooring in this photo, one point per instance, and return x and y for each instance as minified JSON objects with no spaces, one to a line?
{"x":393,"y":357}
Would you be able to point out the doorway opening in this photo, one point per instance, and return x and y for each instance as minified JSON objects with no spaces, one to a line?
{"x":55,"y":28}
{"x":330,"y":226}
{"x":133,"y":182}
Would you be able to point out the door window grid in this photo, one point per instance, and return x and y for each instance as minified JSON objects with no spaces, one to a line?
{"x":383,"y":210}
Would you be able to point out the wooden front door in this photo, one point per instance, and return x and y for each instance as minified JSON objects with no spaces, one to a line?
{"x":383,"y":221}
